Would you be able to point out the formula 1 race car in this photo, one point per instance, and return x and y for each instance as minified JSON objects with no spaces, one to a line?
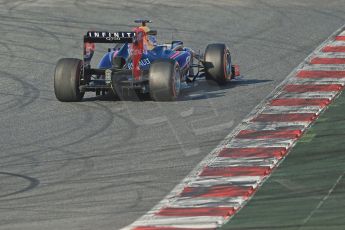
{"x":138,"y":63}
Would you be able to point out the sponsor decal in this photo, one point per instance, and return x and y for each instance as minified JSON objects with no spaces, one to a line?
{"x":108,"y":74}
{"x":187,"y":60}
{"x":142,"y":62}
{"x":114,"y":36}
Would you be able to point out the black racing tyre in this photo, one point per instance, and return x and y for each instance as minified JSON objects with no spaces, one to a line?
{"x":67,"y":79}
{"x":164,"y":80}
{"x":217,"y":63}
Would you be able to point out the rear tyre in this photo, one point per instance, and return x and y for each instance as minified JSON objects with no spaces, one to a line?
{"x":67,"y":80}
{"x":164,"y":80}
{"x":217,"y":63}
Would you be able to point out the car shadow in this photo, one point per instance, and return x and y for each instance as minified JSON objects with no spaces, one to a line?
{"x":123,"y":95}
{"x":210,"y":89}
{"x":200,"y":90}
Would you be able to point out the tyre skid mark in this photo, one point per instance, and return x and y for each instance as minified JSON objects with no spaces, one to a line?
{"x":71,"y":157}
{"x":30,"y":93}
{"x":33,"y":183}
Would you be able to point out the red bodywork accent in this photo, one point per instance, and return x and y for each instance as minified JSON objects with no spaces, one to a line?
{"x":89,"y":47}
{"x":236,"y":70}
{"x":137,"y":51}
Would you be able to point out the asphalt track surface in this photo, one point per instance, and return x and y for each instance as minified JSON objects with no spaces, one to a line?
{"x":100,"y":164}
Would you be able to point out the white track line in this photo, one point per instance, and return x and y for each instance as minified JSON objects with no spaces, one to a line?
{"x":182,"y":222}
{"x":211,"y":181}
{"x":330,"y":55}
{"x":323,"y":67}
{"x":226,"y":162}
{"x":309,"y":95}
{"x":342,"y":33}
{"x":291,"y":109}
{"x":317,"y":81}
{"x":208,"y":202}
{"x":337,"y":43}
{"x":251,"y":143}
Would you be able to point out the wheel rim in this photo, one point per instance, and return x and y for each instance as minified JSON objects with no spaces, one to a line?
{"x":177,"y":81}
{"x":227,"y":64}
{"x":80,"y":94}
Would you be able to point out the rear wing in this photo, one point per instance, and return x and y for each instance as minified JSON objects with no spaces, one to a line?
{"x":136,"y":37}
{"x":93,"y":37}
{"x":108,"y":37}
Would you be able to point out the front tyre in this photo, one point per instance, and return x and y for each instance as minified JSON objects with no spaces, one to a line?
{"x":67,"y":80}
{"x":164,"y":80}
{"x":218,"y":63}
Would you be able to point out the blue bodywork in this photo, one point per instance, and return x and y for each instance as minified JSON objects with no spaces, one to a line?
{"x":183,"y":57}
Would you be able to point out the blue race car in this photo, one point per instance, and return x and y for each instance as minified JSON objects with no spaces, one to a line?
{"x":138,"y":63}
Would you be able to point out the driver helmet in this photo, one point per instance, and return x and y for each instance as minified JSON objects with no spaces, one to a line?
{"x":151,"y":40}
